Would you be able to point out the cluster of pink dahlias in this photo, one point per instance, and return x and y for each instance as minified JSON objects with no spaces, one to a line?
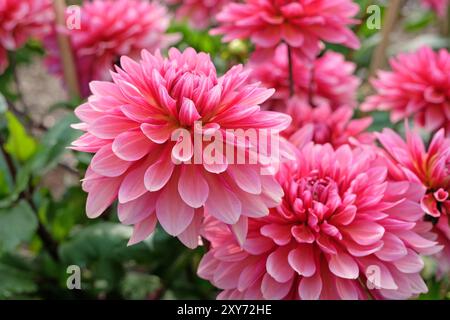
{"x":430,"y":167}
{"x":418,"y":86}
{"x":164,"y":142}
{"x":344,"y":230}
{"x":317,"y":83}
{"x":109,"y":29}
{"x":20,"y":21}
{"x":324,"y":125}
{"x":302,"y":24}
{"x":299,"y":203}
{"x":199,"y":13}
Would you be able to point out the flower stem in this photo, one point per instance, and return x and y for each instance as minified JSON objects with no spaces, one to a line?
{"x":67,"y":58}
{"x":379,"y":57}
{"x":291,"y":72}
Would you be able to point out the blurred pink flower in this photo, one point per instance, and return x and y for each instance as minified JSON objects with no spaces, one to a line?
{"x":108,"y":30}
{"x":439,"y":6}
{"x":418,"y":86}
{"x":320,"y":82}
{"x":323,"y":125}
{"x":302,"y":24}
{"x":21,"y":20}
{"x":130,"y":126}
{"x":430,"y":167}
{"x":343,"y":231}
{"x":200,"y":13}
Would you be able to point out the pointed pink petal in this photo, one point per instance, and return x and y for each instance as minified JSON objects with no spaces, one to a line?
{"x":173,"y":214}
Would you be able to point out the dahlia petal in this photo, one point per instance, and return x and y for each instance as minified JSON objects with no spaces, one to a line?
{"x":110,"y":126}
{"x":347,"y":289}
{"x":344,"y":266}
{"x":393,"y":248}
{"x":193,"y":187}
{"x":158,"y":174}
{"x":274,"y":290}
{"x":131,"y":146}
{"x":247,"y":178}
{"x":251,"y":274}
{"x":173,"y":214}
{"x":291,"y":35}
{"x":302,"y":260}
{"x":188,"y":112}
{"x":157,"y":133}
{"x":137,"y":210}
{"x":227,"y":275}
{"x":101,"y":194}
{"x":280,"y":234}
{"x":222,"y":203}
{"x":410,"y":263}
{"x":191,"y":236}
{"x":133,"y":185}
{"x":240,"y":230}
{"x":106,"y":163}
{"x":302,"y":233}
{"x":143,"y":229}
{"x":257,"y":245}
{"x":278,"y":266}
{"x":310,"y":288}
{"x":253,"y":206}
{"x":365,"y":232}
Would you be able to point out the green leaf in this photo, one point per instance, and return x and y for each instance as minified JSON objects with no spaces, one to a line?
{"x":53,"y":145}
{"x":19,"y":143}
{"x":17,"y":224}
{"x":15,"y":282}
{"x":419,"y":20}
{"x":104,"y":240}
{"x":139,"y":286}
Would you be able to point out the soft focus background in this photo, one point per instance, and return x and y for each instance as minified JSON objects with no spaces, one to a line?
{"x":43,"y":226}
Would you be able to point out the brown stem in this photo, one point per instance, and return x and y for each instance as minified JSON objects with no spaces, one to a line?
{"x":65,"y":48}
{"x":311,"y":87}
{"x":291,"y":72}
{"x":379,"y":56}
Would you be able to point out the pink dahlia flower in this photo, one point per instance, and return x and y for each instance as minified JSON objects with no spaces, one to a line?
{"x":156,"y":132}
{"x":302,"y":24}
{"x":320,"y":82}
{"x":431,"y":168}
{"x":21,"y":20}
{"x":108,"y":30}
{"x":439,"y":6}
{"x":418,"y":86}
{"x":200,"y":13}
{"x":343,"y":231}
{"x":323,"y":125}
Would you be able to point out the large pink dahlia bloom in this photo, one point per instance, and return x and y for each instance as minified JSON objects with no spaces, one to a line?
{"x":21,"y":20}
{"x":439,"y":6}
{"x":320,"y":83}
{"x":302,"y":24}
{"x":343,"y":231}
{"x":108,"y":30}
{"x":154,"y":131}
{"x":431,"y":168}
{"x":323,"y":125}
{"x":200,"y":13}
{"x":418,"y":86}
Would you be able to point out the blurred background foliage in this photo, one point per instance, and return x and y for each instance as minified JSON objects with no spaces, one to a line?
{"x":43,"y":226}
